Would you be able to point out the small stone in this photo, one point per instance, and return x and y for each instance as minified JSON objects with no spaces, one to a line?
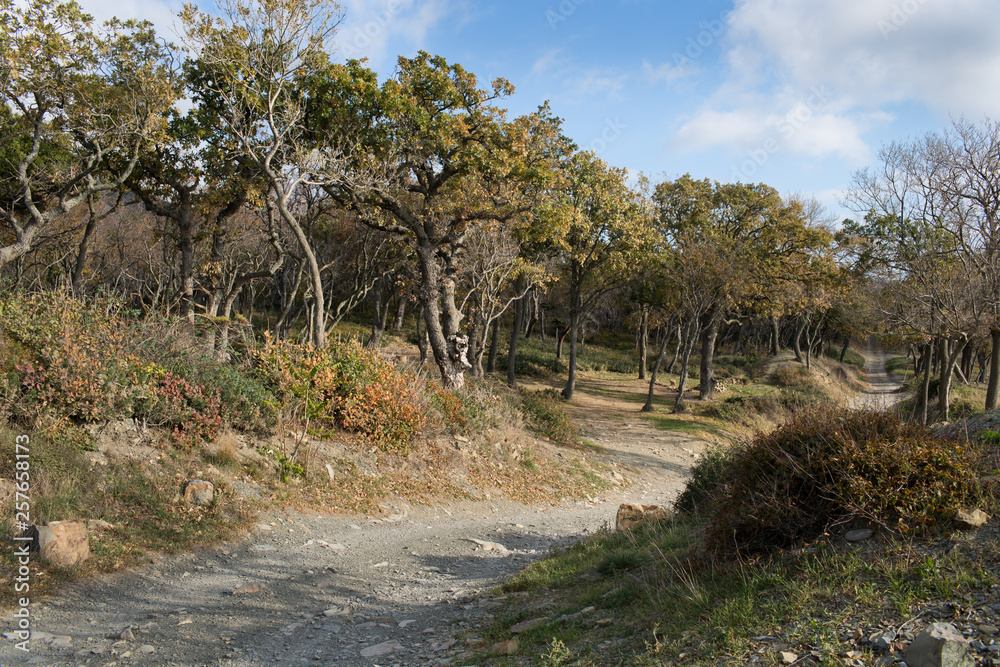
{"x":199,"y":492}
{"x":989,"y":629}
{"x":859,"y":535}
{"x":127,"y":635}
{"x":509,"y":647}
{"x":98,"y":524}
{"x":461,"y":438}
{"x":403,"y":624}
{"x":61,"y":641}
{"x":147,"y":649}
{"x":385,"y":648}
{"x":787,"y":657}
{"x":524,"y":626}
{"x":250,"y":589}
{"x":971,"y":518}
{"x":632,"y":514}
{"x":883,"y":640}
{"x":939,"y":645}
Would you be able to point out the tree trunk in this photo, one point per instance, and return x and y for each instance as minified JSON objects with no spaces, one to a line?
{"x":796,"y":342}
{"x":400,"y":313}
{"x":993,"y":384}
{"x":560,"y":337}
{"x":707,"y":370}
{"x":491,"y":363}
{"x":515,"y":332}
{"x":689,"y":337}
{"x":574,"y":326}
{"x":949,"y":358}
{"x":82,"y":252}
{"x":378,"y":323}
{"x":648,"y":407}
{"x":775,"y":333}
{"x":447,"y":345}
{"x":677,"y":349}
{"x":643,"y":339}
{"x":422,"y":343}
{"x":843,"y":350}
{"x":926,"y":384}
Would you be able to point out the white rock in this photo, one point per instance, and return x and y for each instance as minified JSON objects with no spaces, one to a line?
{"x":385,"y":648}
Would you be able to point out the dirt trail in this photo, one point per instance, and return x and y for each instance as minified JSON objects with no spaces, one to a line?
{"x":405,"y":589}
{"x":883,"y":392}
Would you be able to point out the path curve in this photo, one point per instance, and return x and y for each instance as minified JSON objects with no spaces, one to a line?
{"x":406,"y":589}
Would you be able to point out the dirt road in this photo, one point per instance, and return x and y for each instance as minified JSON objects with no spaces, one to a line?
{"x":304,"y":589}
{"x":883,"y":392}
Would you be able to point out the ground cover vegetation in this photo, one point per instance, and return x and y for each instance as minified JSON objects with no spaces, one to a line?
{"x":247,"y":249}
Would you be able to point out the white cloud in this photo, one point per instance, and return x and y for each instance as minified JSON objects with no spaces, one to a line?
{"x":371,"y":26}
{"x":945,"y":55}
{"x":161,"y":13}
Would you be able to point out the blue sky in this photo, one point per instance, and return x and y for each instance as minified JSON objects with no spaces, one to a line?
{"x":793,"y":93}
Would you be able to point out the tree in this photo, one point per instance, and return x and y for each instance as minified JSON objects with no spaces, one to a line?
{"x":72,"y":97}
{"x":451,"y":163}
{"x":264,"y":67}
{"x":599,"y":222}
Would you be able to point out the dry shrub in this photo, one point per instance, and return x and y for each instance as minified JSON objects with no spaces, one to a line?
{"x":346,"y":386}
{"x":833,"y":467}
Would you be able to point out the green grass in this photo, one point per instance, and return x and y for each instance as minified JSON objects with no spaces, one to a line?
{"x":656,"y":601}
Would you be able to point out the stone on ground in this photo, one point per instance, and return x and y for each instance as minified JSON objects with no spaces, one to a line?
{"x":632,"y":514}
{"x":64,"y":543}
{"x":939,"y":645}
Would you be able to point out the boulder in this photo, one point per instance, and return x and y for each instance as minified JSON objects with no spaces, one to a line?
{"x":971,"y":518}
{"x":63,"y":543}
{"x":199,"y":492}
{"x":939,"y":645}
{"x":632,"y":514}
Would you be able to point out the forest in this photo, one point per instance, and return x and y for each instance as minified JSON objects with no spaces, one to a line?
{"x":246,"y":182}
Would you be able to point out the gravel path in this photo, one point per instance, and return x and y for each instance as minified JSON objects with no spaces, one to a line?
{"x":303,"y":589}
{"x":883,"y":393}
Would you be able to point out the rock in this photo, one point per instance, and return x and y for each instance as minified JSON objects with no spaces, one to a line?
{"x":63,"y":543}
{"x":971,"y":518}
{"x":524,"y":626}
{"x":989,"y":629}
{"x":461,"y":438}
{"x":147,"y":649}
{"x":98,"y":524}
{"x":198,"y":492}
{"x":127,"y":635}
{"x":939,"y":645}
{"x":250,"y":589}
{"x":882,"y":640}
{"x":509,"y":647}
{"x":859,"y":535}
{"x":329,"y":471}
{"x":632,"y":514}
{"x":788,"y":658}
{"x":385,"y":648}
{"x":489,"y":546}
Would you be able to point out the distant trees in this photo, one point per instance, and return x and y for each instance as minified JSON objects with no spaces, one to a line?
{"x":72,"y":96}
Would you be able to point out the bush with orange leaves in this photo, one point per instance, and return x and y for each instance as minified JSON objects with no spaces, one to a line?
{"x":345,"y":386}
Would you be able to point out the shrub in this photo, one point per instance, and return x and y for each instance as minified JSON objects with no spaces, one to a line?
{"x":827,"y":468}
{"x":344,"y":385}
{"x":707,"y":475}
{"x":64,"y":357}
{"x":544,"y":413}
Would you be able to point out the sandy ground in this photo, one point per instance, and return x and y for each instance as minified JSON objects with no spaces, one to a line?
{"x":305,"y":589}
